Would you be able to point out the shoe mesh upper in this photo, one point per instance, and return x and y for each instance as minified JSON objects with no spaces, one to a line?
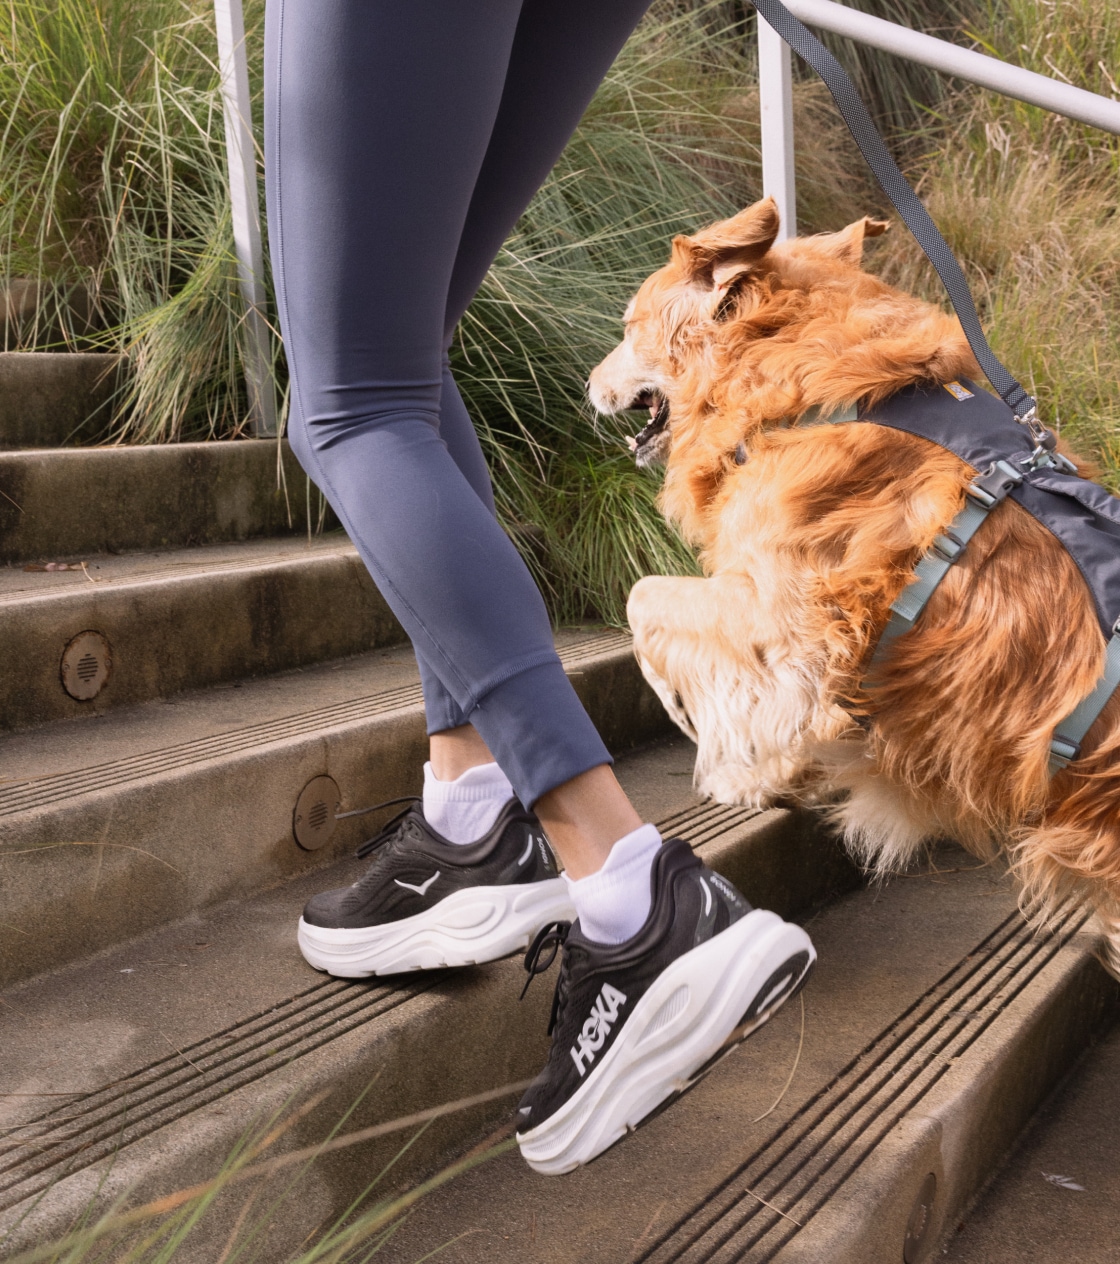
{"x":414,"y":868}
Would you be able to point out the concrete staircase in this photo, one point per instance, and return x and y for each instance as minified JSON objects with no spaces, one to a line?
{"x":196,"y":689}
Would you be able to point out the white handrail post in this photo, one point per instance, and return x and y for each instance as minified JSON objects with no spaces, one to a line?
{"x":245,"y":202}
{"x":775,"y":96}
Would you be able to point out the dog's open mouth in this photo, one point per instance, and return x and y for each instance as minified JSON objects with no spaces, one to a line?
{"x":650,"y":444}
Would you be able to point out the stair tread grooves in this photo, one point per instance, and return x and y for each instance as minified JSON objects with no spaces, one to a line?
{"x":152,"y":1070}
{"x":805,"y":1181}
{"x":112,"y":573}
{"x":142,"y":1088}
{"x":250,"y":735}
{"x":192,"y":1095}
{"x":873,"y":1073}
{"x":24,"y":794}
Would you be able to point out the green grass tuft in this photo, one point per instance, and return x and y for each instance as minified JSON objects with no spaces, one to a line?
{"x":113,"y":202}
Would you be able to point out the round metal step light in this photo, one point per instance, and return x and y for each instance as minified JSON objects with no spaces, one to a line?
{"x":87,"y":662}
{"x":313,"y":821}
{"x":920,"y":1224}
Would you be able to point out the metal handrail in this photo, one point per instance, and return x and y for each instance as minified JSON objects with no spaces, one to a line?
{"x":776,"y":98}
{"x":241,"y":163}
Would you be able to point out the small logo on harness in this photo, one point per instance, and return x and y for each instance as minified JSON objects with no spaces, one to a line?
{"x":959,"y":393}
{"x":597,"y":1028}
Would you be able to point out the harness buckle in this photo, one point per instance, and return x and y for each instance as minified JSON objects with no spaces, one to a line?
{"x":994,"y":485}
{"x":1063,"y":751}
{"x":947,"y":546}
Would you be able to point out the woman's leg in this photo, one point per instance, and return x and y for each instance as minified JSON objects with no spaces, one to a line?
{"x":583,"y":816}
{"x":561,"y":51}
{"x":380,"y":115}
{"x":378,"y":119}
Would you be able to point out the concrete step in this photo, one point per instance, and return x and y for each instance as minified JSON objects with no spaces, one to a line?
{"x":114,"y":631}
{"x":139,"y":1071}
{"x":115,"y":824}
{"x":50,"y":398}
{"x":1028,"y":1215}
{"x":73,"y":502}
{"x":934,"y":1025}
{"x":30,"y":315}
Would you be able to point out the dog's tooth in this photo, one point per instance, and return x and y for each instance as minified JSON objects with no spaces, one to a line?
{"x":632,"y":443}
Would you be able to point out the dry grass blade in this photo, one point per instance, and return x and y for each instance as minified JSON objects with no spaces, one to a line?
{"x":244,"y":1167}
{"x":793,"y":1069}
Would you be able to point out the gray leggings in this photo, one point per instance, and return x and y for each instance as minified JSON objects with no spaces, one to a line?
{"x":404,"y":138}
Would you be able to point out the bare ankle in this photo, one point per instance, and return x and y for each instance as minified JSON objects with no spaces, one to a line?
{"x":453,"y":751}
{"x":585,"y":817}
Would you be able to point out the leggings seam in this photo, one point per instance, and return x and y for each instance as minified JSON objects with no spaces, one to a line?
{"x":518,"y":667}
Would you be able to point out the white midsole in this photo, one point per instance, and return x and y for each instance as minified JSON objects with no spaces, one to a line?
{"x":465,"y":928}
{"x":690,"y":1010}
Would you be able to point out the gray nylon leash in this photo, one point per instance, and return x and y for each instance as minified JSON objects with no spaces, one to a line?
{"x":895,"y":185}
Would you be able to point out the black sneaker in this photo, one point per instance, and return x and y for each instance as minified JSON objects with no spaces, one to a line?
{"x":426,"y":902}
{"x":637,"y":1024}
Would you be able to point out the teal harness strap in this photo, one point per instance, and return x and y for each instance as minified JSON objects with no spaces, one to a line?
{"x":984,"y":493}
{"x":929,"y":572}
{"x":1070,"y":733}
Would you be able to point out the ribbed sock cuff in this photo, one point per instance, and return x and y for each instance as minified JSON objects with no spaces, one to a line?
{"x":613,"y":904}
{"x":464,"y":809}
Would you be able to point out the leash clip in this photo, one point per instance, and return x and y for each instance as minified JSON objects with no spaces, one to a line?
{"x":1042,"y":437}
{"x":1045,"y":454}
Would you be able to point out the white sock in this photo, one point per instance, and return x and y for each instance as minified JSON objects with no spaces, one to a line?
{"x":613,"y":904}
{"x":464,"y":809}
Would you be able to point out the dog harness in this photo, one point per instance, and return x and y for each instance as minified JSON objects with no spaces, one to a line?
{"x":1013,"y":453}
{"x":1085,"y":519}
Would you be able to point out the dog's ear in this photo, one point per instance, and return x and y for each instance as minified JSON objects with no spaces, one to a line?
{"x":847,"y":244}
{"x":716,"y":256}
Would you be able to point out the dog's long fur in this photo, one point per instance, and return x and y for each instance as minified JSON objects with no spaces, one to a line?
{"x":805,"y":545}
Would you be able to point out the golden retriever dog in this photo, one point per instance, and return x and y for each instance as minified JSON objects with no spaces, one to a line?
{"x":807,"y":533}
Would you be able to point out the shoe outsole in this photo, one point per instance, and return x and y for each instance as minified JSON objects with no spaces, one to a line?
{"x":718,"y":994}
{"x":465,"y":928}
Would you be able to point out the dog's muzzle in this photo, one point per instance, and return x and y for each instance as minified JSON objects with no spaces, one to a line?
{"x":650,"y":444}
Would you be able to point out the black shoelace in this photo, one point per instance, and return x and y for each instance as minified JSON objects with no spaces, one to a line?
{"x":392,"y":826}
{"x":550,"y":937}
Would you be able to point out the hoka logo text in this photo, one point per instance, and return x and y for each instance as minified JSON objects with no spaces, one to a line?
{"x":597,"y":1028}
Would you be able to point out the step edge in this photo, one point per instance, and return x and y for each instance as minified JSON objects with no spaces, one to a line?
{"x":866,"y":1218}
{"x":612,"y":653}
{"x":200,"y":574}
